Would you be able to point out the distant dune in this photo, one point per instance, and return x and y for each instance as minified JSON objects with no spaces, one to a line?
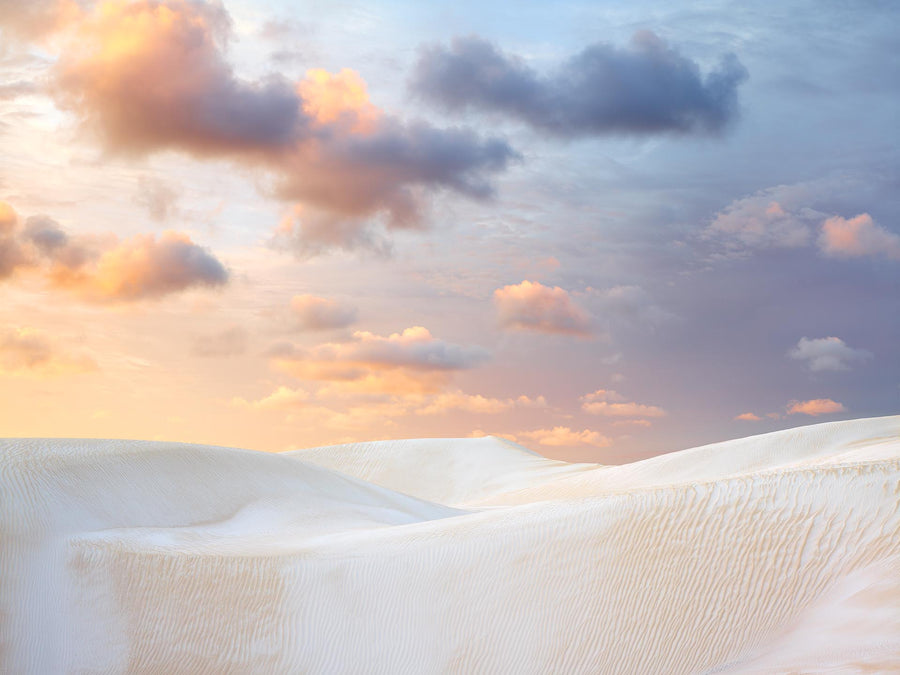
{"x":778,"y":553}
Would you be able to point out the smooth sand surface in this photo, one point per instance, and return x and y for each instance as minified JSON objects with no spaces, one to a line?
{"x":777,"y":553}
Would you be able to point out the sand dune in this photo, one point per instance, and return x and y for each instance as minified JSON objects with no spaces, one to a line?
{"x":772,"y":554}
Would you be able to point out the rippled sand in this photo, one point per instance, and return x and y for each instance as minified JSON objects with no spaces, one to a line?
{"x":772,"y":554}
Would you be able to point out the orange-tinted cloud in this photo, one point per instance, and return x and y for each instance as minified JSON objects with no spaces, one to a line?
{"x":533,"y":306}
{"x":748,"y":417}
{"x":102,"y":268}
{"x":312,"y":313}
{"x":152,"y":75}
{"x":815,"y":407}
{"x":768,"y":219}
{"x":26,"y":351}
{"x":340,"y":99}
{"x":148,"y":76}
{"x":144,"y":267}
{"x":8,"y":218}
{"x":34,"y":19}
{"x":283,"y":398}
{"x":566,"y":437}
{"x":857,"y":237}
{"x":413,"y":361}
{"x":478,"y":404}
{"x":612,"y":404}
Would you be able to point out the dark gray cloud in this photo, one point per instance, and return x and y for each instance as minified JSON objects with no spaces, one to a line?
{"x":646,"y":88}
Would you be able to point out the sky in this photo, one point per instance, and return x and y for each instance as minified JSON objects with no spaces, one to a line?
{"x":604,"y":230}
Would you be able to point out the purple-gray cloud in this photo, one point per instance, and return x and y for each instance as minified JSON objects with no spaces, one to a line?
{"x":644,"y":89}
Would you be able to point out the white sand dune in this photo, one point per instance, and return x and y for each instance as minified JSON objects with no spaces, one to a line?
{"x":773,"y":554}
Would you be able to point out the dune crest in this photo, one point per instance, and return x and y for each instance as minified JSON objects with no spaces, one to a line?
{"x":772,"y":554}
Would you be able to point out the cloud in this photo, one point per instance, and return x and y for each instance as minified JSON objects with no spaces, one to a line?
{"x":630,"y":304}
{"x":857,"y":237}
{"x":283,"y":399}
{"x":229,"y":342}
{"x":34,"y":19}
{"x":148,"y":76}
{"x":27,"y":351}
{"x":101,"y":268}
{"x":413,"y":361}
{"x":815,"y":407}
{"x":152,"y":75}
{"x":566,"y":437}
{"x":312,"y":313}
{"x":609,"y":403}
{"x":344,"y":179}
{"x":13,"y":90}
{"x":773,"y":218}
{"x":457,"y":400}
{"x":781,"y":217}
{"x":748,"y":417}
{"x":828,"y":353}
{"x":12,"y":256}
{"x":158,"y":197}
{"x":533,"y":306}
{"x":8,"y":218}
{"x":481,"y":433}
{"x":145,"y":267}
{"x":644,"y":89}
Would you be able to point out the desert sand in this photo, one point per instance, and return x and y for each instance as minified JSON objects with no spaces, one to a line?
{"x":778,"y":553}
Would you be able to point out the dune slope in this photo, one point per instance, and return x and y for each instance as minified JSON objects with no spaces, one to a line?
{"x":773,"y":554}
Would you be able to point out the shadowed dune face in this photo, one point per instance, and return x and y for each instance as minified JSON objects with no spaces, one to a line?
{"x":772,"y":554}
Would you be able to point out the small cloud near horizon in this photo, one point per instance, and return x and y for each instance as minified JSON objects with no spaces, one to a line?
{"x":815,"y":407}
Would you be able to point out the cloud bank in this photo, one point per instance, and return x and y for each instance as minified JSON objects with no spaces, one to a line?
{"x":609,"y":403}
{"x":150,"y":76}
{"x":413,"y":361}
{"x":646,"y":88}
{"x":565,"y":437}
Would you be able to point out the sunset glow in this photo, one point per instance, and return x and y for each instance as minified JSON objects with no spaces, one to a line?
{"x":604,"y":230}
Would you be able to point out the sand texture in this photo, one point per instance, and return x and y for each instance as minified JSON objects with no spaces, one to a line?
{"x":771,"y":554}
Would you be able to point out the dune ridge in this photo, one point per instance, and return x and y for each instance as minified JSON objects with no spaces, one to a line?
{"x":772,"y":554}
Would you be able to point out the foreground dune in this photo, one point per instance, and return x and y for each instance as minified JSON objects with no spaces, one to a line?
{"x":772,"y":554}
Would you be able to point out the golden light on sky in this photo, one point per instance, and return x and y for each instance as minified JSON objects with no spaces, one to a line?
{"x":603,"y":230}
